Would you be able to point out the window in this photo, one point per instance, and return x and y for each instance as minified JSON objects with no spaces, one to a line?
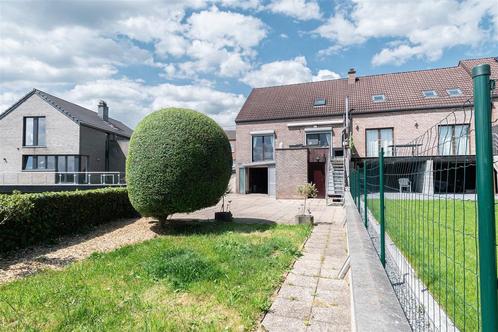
{"x":55,"y":163}
{"x":454,"y":92}
{"x":453,"y":140}
{"x":320,"y":102}
{"x":378,"y":98}
{"x":429,"y":94}
{"x":34,"y":131}
{"x":262,"y":147}
{"x":379,"y":138}
{"x":318,"y":139}
{"x":232,"y":146}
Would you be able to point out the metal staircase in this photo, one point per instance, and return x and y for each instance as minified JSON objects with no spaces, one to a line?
{"x":335,"y":182}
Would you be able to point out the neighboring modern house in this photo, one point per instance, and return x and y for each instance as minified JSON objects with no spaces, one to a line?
{"x":45,"y":140}
{"x":291,"y":134}
{"x":232,"y":140}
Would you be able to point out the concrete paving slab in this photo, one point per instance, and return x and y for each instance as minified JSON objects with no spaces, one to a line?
{"x":276,"y":323}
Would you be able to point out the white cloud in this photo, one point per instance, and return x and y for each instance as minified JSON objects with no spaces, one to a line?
{"x":131,"y":100}
{"x":325,"y":74}
{"x":422,"y":29}
{"x":299,"y":9}
{"x":279,"y":72}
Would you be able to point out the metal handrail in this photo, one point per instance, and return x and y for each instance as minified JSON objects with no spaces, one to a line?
{"x":62,"y":178}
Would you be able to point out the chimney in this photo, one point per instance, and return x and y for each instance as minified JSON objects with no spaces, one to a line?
{"x":103,"y":111}
{"x":352,"y":76}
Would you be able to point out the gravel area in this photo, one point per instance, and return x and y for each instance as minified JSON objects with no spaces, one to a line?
{"x":107,"y":237}
{"x":69,"y":249}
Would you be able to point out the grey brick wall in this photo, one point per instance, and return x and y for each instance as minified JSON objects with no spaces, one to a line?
{"x":62,"y":137}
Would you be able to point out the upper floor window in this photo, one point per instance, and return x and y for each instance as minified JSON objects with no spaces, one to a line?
{"x":453,"y":139}
{"x":429,"y":94}
{"x":262,"y":147}
{"x":378,"y":98}
{"x":318,"y":139}
{"x":379,"y":138}
{"x":34,"y":131}
{"x":454,"y":92}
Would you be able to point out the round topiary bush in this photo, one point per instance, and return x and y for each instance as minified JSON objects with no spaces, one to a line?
{"x":179,"y":160}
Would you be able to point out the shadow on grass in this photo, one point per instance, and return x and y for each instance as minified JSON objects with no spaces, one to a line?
{"x":210,"y":226}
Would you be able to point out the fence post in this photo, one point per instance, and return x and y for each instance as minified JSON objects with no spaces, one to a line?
{"x":358,"y":189}
{"x":365,"y":192}
{"x":485,"y":198}
{"x":381,"y":207}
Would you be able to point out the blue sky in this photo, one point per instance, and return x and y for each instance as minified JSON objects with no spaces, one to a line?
{"x":140,"y":56}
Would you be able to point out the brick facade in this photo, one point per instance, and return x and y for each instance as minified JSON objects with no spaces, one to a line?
{"x":291,"y":171}
{"x":408,"y":126}
{"x":284,"y":137}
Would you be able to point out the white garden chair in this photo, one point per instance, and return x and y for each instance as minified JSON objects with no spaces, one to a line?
{"x":405,"y":183}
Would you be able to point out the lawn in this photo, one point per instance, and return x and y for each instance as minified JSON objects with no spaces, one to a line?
{"x":438,"y":237}
{"x":209,"y":277}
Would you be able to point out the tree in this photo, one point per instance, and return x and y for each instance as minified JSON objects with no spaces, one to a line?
{"x":179,"y":161}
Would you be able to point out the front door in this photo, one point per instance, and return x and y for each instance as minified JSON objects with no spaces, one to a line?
{"x":316,"y":174}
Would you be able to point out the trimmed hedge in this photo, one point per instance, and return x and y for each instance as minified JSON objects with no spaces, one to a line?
{"x":179,"y":160}
{"x":27,"y":219}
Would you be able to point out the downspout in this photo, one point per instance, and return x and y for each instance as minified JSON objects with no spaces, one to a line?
{"x":347,"y":151}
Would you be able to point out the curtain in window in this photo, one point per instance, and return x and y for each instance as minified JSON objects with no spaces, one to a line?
{"x":461,"y":139}
{"x":372,"y":143}
{"x":327,"y":139}
{"x":386,"y":139}
{"x":445,"y":133}
{"x":268,"y":147}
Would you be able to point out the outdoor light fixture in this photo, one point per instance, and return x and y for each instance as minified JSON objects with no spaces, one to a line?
{"x":357,"y":127}
{"x":416,"y":125}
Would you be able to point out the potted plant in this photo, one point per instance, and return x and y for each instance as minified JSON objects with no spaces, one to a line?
{"x":307,"y":190}
{"x":224,"y":214}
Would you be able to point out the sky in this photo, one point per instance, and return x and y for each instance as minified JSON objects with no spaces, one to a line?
{"x":141,"y":56}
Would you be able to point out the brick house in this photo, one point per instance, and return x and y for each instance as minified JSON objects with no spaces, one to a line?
{"x":291,"y":134}
{"x":46,"y":140}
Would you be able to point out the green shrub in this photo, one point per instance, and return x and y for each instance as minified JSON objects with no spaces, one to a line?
{"x":27,"y":219}
{"x":179,"y":161}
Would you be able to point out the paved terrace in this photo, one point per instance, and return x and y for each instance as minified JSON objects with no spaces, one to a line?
{"x":312,"y":297}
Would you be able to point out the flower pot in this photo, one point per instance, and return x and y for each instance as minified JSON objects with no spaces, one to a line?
{"x":223,"y":216}
{"x":305,"y":219}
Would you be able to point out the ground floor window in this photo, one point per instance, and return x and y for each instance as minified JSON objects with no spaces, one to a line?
{"x":55,"y":163}
{"x":379,"y":138}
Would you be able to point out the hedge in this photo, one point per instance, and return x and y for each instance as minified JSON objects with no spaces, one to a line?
{"x":27,"y":219}
{"x":179,"y":160}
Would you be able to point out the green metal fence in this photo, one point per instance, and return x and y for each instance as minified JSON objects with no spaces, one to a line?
{"x":429,"y":207}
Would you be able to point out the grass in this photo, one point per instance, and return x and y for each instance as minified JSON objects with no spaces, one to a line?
{"x":206,"y":277}
{"x":439,"y":238}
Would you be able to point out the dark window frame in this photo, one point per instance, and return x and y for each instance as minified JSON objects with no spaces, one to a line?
{"x":454,"y":147}
{"x":272,"y":137}
{"x":36,"y":131}
{"x":318,"y":133}
{"x":82,"y":162}
{"x":378,"y":141}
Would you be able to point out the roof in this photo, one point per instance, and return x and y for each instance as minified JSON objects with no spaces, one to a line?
{"x":78,"y":114}
{"x":403,"y":91}
{"x":230,"y":134}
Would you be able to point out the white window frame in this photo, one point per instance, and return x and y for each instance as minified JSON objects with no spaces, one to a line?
{"x":424,"y":93}
{"x":379,"y":101}
{"x":460,"y":93}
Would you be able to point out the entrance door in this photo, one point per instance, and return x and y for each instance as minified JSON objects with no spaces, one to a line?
{"x":316,"y":174}
{"x":258,"y":180}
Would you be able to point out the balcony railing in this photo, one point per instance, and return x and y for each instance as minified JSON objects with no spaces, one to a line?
{"x":63,"y":178}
